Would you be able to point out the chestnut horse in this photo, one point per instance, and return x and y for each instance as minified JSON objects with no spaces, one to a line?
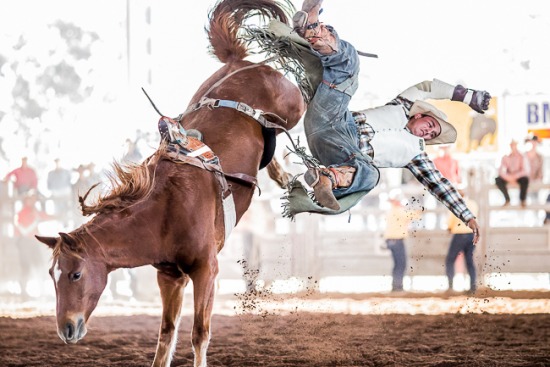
{"x":171,"y":215}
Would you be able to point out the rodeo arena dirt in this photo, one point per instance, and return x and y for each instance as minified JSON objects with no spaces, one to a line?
{"x":203,"y":246}
{"x":308,"y":329}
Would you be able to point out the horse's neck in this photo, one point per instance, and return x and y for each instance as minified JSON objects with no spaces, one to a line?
{"x":118,"y":243}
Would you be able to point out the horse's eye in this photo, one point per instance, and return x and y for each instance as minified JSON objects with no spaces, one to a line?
{"x":75,"y":276}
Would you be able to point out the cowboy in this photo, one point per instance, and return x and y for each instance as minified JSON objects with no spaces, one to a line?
{"x":393,"y":135}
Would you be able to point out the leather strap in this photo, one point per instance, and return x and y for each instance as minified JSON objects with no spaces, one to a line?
{"x":256,"y":114}
{"x":239,"y":177}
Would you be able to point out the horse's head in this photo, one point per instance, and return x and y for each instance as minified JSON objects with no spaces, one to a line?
{"x":79,"y":281}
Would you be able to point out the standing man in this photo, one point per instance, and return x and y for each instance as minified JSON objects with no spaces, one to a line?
{"x":461,"y":242}
{"x":450,"y":169}
{"x":397,"y":230}
{"x":32,"y":260}
{"x":447,"y":165}
{"x":25,"y":178}
{"x":60,"y":187}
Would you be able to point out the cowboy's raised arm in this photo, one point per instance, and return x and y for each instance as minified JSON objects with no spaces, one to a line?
{"x":478,"y":100}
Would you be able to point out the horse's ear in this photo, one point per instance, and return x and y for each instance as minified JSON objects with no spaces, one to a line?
{"x":50,"y":241}
{"x":70,"y":241}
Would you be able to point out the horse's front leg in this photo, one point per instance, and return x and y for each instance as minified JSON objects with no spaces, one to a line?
{"x":204,"y":278}
{"x":171,"y":291}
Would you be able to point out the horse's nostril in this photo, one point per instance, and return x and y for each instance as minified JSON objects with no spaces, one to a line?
{"x":69,"y":330}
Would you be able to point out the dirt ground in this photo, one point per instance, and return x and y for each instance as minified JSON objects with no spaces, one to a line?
{"x":293,"y":339}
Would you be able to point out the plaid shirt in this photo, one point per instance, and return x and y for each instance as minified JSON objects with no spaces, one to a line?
{"x":420,"y":166}
{"x":365,"y":132}
{"x":425,"y":172}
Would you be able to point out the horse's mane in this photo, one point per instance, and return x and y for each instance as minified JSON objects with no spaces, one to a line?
{"x":130,"y":183}
{"x":62,"y":248}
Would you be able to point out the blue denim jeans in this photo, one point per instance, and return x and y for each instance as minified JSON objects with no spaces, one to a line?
{"x":332,"y":138}
{"x":330,"y":128}
{"x":461,"y":242}
{"x":397,"y":248}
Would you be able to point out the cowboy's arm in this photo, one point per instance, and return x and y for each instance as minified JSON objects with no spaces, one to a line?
{"x":427,"y":89}
{"x":425,"y":172}
{"x":437,"y":89}
{"x":442,"y":189}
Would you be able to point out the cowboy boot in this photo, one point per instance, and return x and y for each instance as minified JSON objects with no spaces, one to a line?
{"x":324,"y":180}
{"x":309,"y":5}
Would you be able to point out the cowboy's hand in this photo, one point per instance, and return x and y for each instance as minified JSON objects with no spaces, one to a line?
{"x":478,"y":100}
{"x":475,"y":228}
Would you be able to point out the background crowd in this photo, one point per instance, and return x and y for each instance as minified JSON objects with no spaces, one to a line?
{"x":39,"y":204}
{"x":32,"y":210}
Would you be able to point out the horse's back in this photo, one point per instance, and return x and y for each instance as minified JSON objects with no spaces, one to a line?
{"x":259,"y":86}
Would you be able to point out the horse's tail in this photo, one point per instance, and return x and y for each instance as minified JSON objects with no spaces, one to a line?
{"x":227,"y":17}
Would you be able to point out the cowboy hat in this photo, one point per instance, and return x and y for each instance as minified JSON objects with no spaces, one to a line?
{"x":448,"y":132}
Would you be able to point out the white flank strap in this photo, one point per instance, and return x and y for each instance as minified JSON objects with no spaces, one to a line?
{"x":229,"y":215}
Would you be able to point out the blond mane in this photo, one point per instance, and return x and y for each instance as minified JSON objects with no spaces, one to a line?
{"x":130,"y":183}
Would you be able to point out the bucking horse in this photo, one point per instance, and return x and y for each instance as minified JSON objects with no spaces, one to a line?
{"x":175,"y":210}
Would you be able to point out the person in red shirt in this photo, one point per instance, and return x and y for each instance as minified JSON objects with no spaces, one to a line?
{"x":450,"y":169}
{"x":31,"y":259}
{"x":25,"y":178}
{"x":448,"y":166}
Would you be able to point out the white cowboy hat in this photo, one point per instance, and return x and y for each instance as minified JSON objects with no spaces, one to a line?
{"x":448,"y":132}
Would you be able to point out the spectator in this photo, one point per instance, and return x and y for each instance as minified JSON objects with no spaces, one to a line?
{"x":79,"y":188}
{"x":447,"y":165}
{"x":26,"y":224}
{"x":25,"y":178}
{"x":81,"y":184}
{"x":450,"y":169}
{"x":514,"y":168}
{"x":59,"y":184}
{"x":397,"y":229}
{"x":462,"y":242}
{"x":536,"y":163}
{"x":93,"y":176}
{"x":87,"y":177}
{"x":535,"y":159}
{"x":132,"y":155}
{"x":252,"y":226}
{"x":251,"y":249}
